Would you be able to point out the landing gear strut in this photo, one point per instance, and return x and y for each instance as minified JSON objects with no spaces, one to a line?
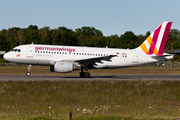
{"x":29,"y":69}
{"x":85,"y":74}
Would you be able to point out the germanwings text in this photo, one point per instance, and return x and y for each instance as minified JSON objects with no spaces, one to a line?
{"x":55,"y":49}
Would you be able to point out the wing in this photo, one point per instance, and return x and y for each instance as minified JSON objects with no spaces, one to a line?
{"x":92,"y":61}
{"x":86,"y":62}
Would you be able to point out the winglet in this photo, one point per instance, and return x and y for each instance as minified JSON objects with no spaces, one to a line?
{"x":156,"y":42}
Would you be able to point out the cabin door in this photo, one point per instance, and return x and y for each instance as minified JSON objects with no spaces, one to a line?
{"x":29,"y":52}
{"x":135,"y":57}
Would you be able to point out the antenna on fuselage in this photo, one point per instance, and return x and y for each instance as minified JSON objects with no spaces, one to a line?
{"x":32,"y":43}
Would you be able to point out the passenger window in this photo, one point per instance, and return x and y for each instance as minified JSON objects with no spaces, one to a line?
{"x":124,"y":55}
{"x":79,"y":53}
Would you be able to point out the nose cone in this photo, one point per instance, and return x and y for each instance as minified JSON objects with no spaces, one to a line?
{"x":6,"y":56}
{"x":10,"y":57}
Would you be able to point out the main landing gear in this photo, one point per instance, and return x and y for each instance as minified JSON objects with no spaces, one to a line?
{"x":85,"y":74}
{"x":29,"y":69}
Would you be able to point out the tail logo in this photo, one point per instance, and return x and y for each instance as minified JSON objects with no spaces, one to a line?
{"x":156,"y":42}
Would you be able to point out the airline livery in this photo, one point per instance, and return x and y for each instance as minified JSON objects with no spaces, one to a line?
{"x":64,"y":59}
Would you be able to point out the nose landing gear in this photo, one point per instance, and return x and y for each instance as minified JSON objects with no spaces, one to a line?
{"x":29,"y":69}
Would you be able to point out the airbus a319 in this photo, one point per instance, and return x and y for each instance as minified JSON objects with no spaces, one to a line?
{"x":64,"y":59}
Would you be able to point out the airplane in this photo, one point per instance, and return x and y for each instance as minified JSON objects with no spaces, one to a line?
{"x":65,"y":59}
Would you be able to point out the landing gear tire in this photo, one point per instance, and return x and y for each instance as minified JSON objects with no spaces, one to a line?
{"x":28,"y":73}
{"x":84,"y":74}
{"x":81,"y":74}
{"x":87,"y":75}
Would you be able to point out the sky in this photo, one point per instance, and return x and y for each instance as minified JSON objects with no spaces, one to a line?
{"x":110,"y":16}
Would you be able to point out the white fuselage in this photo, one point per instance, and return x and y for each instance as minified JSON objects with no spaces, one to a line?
{"x":48,"y":54}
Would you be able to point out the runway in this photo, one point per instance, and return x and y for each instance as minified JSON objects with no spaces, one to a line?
{"x":77,"y":78}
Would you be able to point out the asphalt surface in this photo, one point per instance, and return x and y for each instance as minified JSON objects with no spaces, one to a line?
{"x":77,"y":78}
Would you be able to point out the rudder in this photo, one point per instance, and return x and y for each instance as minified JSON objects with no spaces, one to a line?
{"x":156,"y":42}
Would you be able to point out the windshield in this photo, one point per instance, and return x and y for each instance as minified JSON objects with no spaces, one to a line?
{"x":16,"y":50}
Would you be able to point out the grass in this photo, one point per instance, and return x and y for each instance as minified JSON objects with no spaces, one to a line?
{"x":90,"y":100}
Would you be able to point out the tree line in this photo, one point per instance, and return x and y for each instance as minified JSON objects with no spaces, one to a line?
{"x":85,"y":36}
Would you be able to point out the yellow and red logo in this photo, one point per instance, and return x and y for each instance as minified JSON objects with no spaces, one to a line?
{"x":17,"y":55}
{"x":156,"y":42}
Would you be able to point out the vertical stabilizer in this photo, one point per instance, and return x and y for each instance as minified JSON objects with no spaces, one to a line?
{"x":156,"y":42}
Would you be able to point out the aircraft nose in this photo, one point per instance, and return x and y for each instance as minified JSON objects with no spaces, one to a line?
{"x":6,"y":56}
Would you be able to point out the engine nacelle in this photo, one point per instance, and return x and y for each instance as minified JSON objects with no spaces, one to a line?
{"x":62,"y":67}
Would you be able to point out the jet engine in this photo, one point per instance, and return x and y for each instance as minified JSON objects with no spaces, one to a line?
{"x":62,"y":67}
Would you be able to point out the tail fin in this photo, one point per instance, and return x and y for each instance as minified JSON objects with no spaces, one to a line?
{"x":156,"y":42}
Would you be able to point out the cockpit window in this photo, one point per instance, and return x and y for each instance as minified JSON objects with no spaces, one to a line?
{"x":16,"y":50}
